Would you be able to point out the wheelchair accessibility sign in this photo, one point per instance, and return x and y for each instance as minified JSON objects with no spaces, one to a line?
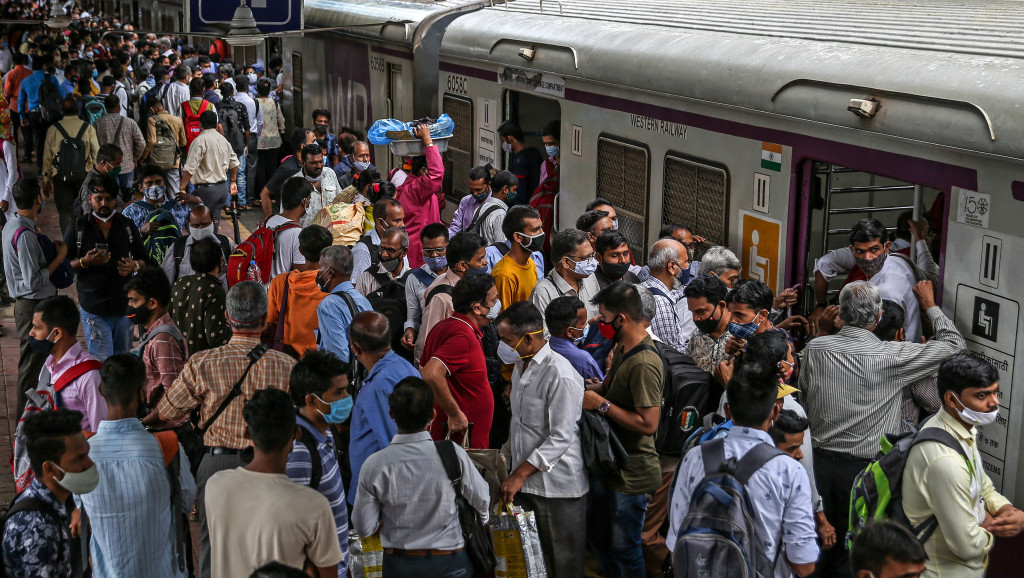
{"x":761,"y":239}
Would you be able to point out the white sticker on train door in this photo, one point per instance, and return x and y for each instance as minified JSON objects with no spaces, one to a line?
{"x":973,"y":208}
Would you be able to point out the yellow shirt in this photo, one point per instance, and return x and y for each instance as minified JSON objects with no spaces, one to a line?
{"x":938,"y":481}
{"x":513,"y":281}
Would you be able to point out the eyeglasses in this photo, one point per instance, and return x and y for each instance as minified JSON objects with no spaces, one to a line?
{"x":436,"y":252}
{"x":581,"y":259}
{"x":389,"y":251}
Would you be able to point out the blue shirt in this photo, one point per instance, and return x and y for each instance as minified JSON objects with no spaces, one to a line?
{"x":139,"y":210}
{"x":580,"y":360}
{"x":372,"y":427}
{"x":66,"y":88}
{"x":300,"y":471}
{"x":494,"y":255}
{"x":35,"y":546}
{"x":334,"y":317}
{"x":28,"y":98}
{"x":130,"y":510}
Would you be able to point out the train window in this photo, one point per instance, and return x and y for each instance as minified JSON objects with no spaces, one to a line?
{"x":458,"y":159}
{"x":622,"y":178}
{"x":695,"y":194}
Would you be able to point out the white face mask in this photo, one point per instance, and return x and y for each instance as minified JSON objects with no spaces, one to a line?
{"x":976,"y":417}
{"x":200,"y":233}
{"x":506,"y":147}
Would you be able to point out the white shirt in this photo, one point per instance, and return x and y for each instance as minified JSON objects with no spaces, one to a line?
{"x":8,"y":175}
{"x":895,"y":281}
{"x":329,"y":189}
{"x":779,"y":492}
{"x":547,"y":402}
{"x":176,"y":94}
{"x":255,"y":112}
{"x":405,"y":492}
{"x":286,"y":247}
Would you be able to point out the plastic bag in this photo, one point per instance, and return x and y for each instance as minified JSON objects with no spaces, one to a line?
{"x":366,"y":556}
{"x":517,"y":548}
{"x":442,"y":127}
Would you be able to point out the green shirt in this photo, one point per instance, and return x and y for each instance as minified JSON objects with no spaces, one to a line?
{"x":636,"y":381}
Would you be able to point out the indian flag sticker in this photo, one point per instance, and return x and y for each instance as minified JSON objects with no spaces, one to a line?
{"x":771,"y":156}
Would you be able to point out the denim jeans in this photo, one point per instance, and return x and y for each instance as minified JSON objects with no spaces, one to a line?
{"x":106,"y":335}
{"x":615,"y":523}
{"x":241,"y":181}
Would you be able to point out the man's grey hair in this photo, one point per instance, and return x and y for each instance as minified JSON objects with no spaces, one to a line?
{"x":339,"y":258}
{"x":662,"y":253}
{"x":718,"y":260}
{"x":860,"y":304}
{"x":226,"y":70}
{"x":647,"y":302}
{"x":403,"y":235}
{"x":246,"y":305}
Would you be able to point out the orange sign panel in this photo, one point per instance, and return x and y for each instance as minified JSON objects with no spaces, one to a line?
{"x":760,"y":249}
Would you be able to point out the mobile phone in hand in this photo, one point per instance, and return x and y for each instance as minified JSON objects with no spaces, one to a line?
{"x":102,"y":247}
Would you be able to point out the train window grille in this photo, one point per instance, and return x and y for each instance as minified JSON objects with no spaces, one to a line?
{"x":458,"y":159}
{"x":622,"y":178}
{"x":696,"y":194}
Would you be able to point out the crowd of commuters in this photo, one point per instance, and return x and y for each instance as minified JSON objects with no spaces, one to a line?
{"x":292,"y":414}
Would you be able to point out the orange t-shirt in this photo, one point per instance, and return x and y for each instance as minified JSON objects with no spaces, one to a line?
{"x":304,"y":296}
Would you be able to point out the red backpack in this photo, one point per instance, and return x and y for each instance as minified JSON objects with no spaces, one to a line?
{"x":190,"y":112}
{"x":258,"y":249}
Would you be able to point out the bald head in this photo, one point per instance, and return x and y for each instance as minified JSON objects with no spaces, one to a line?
{"x":665,"y":251}
{"x":370,"y":332}
{"x":199,"y":217}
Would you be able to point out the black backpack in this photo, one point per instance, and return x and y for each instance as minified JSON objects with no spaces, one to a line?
{"x":178,"y":250}
{"x":70,"y":159}
{"x":687,"y":396}
{"x":389,"y":299}
{"x":231,"y":121}
{"x":50,"y":102}
{"x":374,"y":256}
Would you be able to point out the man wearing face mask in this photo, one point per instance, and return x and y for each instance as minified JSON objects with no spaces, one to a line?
{"x":177,"y":261}
{"x":108,"y":164}
{"x":372,"y":426}
{"x":523,"y":161}
{"x":950,"y":483}
{"x":613,"y":259}
{"x":673,"y":323}
{"x":105,"y":249}
{"x":479,"y":192}
{"x":324,"y":184}
{"x":840,"y":372}
{"x":37,"y":534}
{"x":392,"y":250}
{"x":573,"y":272}
{"x":343,"y":302}
{"x":749,"y":303}
{"x":55,"y":180}
{"x":867,"y":259}
{"x":489,"y":216}
{"x":327,"y":141}
{"x":156,"y":208}
{"x":387,"y":213}
{"x":465,"y":256}
{"x":566,"y":320}
{"x":319,"y":387}
{"x":516,"y":274}
{"x":434,"y":238}
{"x":543,"y":198}
{"x":496,"y":251}
{"x":547,"y":476}
{"x":594,"y":223}
{"x":705,"y":298}
{"x":351,"y":166}
{"x":454,"y":367}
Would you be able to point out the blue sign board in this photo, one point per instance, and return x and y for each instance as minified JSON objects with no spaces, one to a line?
{"x":214,"y":16}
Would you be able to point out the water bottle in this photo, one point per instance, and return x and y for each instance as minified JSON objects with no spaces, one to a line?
{"x":254,"y":273}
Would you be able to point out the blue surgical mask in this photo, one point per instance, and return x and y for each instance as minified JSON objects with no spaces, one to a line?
{"x":552,"y":151}
{"x":586,"y":331}
{"x":340,"y":410}
{"x":743,"y":330}
{"x":477,"y":271}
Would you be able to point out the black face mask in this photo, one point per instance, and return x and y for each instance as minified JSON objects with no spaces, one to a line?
{"x":138,"y":315}
{"x":321,"y":282}
{"x":709,"y":325}
{"x":614,"y":271}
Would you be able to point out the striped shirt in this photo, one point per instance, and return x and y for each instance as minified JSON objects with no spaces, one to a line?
{"x":112,"y":128}
{"x":300,"y":470}
{"x":208,"y":378}
{"x":130,"y":511}
{"x":666,"y":323}
{"x":853,"y":383}
{"x":164,"y":357}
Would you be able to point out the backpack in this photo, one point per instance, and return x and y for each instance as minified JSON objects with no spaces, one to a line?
{"x":178,"y":250}
{"x":877,"y":491}
{"x":190,"y":114}
{"x":501,"y":248}
{"x":687,"y":396}
{"x":345,"y":222}
{"x":165,"y":151}
{"x":64,"y":275}
{"x":440,"y":289}
{"x":50,"y":102}
{"x":70,"y":159}
{"x":374,"y":255}
{"x":30,"y":504}
{"x":231,"y":121}
{"x":389,"y":299}
{"x":164,"y":233}
{"x":719,"y":535}
{"x":43,"y":397}
{"x":258,"y":248}
{"x":91,"y":109}
{"x":481,"y":218}
{"x":316,"y":462}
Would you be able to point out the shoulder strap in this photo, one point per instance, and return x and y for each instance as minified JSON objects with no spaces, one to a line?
{"x":81,"y":131}
{"x":712,"y":452}
{"x":754,"y":459}
{"x":225,"y":245}
{"x":481,"y":217}
{"x":501,"y":247}
{"x":316,"y":463}
{"x":117,"y":134}
{"x":60,"y":129}
{"x":423,"y":276}
{"x":452,"y":467}
{"x":638,"y":349}
{"x":74,"y":372}
{"x":17,"y":234}
{"x":179,"y":253}
{"x":254,"y":356}
{"x":31,"y":504}
{"x":937,"y":434}
{"x":440,"y":289}
{"x":383,"y":279}
{"x":168,"y":441}
{"x":657,"y":291}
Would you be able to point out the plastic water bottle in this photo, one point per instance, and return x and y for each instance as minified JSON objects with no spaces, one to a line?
{"x":254,"y":273}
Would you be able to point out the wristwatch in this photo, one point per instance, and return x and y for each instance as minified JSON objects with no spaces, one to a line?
{"x":604,"y":407}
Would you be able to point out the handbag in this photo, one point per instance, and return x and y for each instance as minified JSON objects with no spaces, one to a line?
{"x":492,"y":465}
{"x":602,"y":451}
{"x":478,"y":540}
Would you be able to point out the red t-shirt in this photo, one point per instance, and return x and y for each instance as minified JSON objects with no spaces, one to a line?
{"x":456,"y":342}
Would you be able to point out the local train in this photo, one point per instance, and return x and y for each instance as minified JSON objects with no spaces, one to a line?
{"x":769,"y":127}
